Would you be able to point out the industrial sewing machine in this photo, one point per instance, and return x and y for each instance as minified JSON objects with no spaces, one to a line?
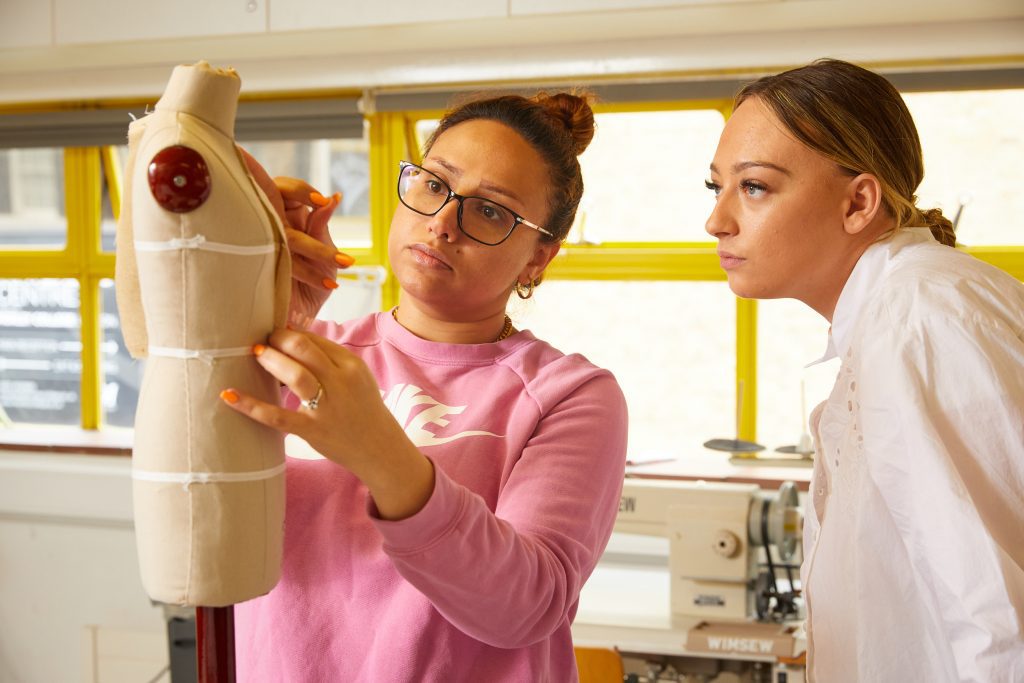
{"x":727,"y":545}
{"x":733,"y":564}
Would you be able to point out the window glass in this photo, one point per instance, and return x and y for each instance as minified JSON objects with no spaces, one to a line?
{"x":790,"y":336}
{"x":339,"y":165}
{"x":424,"y":129}
{"x":121,"y":374}
{"x":972,"y":152}
{"x":32,"y":198}
{"x":108,"y":224}
{"x":671,"y":345}
{"x":644,"y":177}
{"x":40,"y":352}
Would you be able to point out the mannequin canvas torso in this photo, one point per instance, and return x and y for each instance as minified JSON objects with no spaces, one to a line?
{"x":203,"y":274}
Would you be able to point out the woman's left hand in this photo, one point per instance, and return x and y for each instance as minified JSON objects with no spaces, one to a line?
{"x":349,"y":424}
{"x":315,"y":258}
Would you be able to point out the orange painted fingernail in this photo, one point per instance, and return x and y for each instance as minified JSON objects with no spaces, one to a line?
{"x":337,"y":197}
{"x":229,"y":395}
{"x":258,"y":349}
{"x":319,"y":199}
{"x":344,"y":260}
{"x":329,"y":283}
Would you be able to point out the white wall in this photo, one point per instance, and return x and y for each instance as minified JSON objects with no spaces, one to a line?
{"x":69,"y":578}
{"x":288,"y":45}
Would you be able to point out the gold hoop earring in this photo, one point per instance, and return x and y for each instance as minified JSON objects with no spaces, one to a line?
{"x":525,"y":291}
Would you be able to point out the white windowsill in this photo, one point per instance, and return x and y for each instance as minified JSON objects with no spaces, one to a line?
{"x":70,"y":440}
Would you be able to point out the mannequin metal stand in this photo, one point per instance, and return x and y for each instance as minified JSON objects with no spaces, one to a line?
{"x":215,"y":644}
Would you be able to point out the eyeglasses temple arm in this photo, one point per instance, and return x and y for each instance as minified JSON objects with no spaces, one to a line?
{"x":535,"y":226}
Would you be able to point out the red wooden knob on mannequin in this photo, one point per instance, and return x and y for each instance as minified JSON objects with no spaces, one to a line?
{"x":179,"y":179}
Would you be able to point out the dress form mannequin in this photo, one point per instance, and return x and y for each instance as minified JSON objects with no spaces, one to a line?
{"x":202,"y":275}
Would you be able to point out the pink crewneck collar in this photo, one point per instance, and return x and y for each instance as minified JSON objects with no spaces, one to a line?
{"x":392,"y":331}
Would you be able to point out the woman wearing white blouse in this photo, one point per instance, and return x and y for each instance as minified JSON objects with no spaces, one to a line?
{"x":914,"y":532}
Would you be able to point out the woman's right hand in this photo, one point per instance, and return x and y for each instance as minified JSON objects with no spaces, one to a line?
{"x":315,"y":258}
{"x":349,"y":424}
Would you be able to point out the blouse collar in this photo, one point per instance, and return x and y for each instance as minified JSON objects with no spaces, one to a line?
{"x":863,"y":281}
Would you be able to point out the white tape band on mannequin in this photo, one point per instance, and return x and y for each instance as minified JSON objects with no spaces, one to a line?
{"x":207,"y":355}
{"x":187,"y":478}
{"x":199,"y":242}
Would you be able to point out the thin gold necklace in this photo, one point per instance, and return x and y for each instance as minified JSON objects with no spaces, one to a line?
{"x":506,"y":330}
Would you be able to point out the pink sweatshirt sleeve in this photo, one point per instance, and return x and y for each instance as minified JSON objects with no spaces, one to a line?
{"x":511,"y":577}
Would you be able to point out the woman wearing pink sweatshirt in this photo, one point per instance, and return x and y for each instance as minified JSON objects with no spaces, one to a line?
{"x":472,"y":472}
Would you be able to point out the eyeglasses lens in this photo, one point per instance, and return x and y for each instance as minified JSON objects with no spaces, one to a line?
{"x":426,"y":193}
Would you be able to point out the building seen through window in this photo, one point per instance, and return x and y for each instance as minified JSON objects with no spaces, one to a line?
{"x":339,"y":165}
{"x":32,"y":198}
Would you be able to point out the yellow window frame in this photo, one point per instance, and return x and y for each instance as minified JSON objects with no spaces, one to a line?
{"x":668,"y":261}
{"x":392,"y":139}
{"x":665,"y":261}
{"x":81,"y":259}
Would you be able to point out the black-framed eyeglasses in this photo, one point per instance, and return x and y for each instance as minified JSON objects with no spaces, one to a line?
{"x":483,"y":220}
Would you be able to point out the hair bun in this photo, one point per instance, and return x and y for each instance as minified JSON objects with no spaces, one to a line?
{"x":941,"y":227}
{"x":572,"y":111}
